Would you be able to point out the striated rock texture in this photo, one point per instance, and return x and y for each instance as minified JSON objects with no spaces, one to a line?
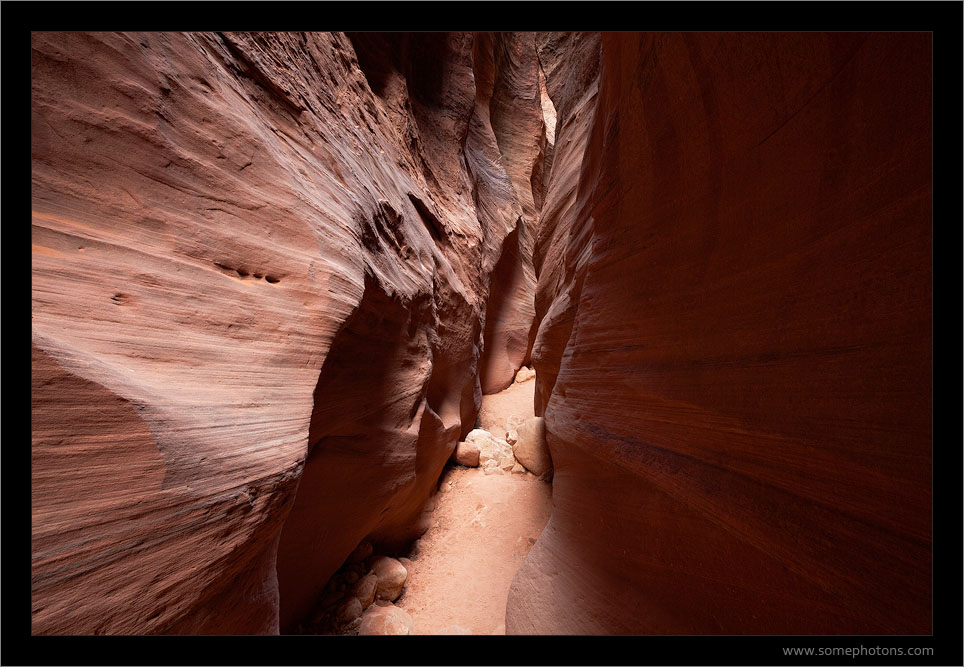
{"x":512,"y":107}
{"x":733,"y":351}
{"x":261,"y":270}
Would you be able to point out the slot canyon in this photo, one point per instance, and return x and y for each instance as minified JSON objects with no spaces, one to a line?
{"x":282,"y":282}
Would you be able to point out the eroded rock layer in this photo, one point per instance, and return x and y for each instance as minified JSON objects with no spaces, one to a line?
{"x":261,"y":264}
{"x":733,"y":353}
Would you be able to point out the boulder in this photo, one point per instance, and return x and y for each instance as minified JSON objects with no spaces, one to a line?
{"x":512,"y":437}
{"x":391,"y":577}
{"x":349,"y":610}
{"x":365,"y":589}
{"x":525,"y":373}
{"x":388,"y":620}
{"x":467,"y":454}
{"x":490,"y":447}
{"x":531,"y":449}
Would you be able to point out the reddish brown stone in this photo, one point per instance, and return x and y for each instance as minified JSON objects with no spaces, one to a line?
{"x":734,"y":350}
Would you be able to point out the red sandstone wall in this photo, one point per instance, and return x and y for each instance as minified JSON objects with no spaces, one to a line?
{"x":259,"y":280}
{"x":734,"y":350}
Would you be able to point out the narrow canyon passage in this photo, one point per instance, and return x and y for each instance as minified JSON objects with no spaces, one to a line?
{"x":674,"y":289}
{"x":483,"y":526}
{"x":479,"y":526}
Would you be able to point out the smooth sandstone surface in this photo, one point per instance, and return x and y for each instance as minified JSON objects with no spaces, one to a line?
{"x":734,"y":346}
{"x":530,"y":447}
{"x":224,"y":224}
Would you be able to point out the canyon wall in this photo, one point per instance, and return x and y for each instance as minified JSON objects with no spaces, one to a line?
{"x":261,"y":267}
{"x":734,"y":338}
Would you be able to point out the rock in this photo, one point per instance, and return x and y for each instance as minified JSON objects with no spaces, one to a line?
{"x":525,"y":373}
{"x":490,"y":447}
{"x":391,"y":578}
{"x":350,"y":576}
{"x":508,"y":465}
{"x":406,"y":563}
{"x":365,"y":590}
{"x":511,"y":437}
{"x":494,"y":471}
{"x":388,"y":620}
{"x":530,"y":449}
{"x":361,"y":283}
{"x":349,"y":610}
{"x":518,"y":469}
{"x":361,"y":552}
{"x":467,"y":454}
{"x":749,"y":399}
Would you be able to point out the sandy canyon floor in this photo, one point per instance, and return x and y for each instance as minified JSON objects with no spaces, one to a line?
{"x":483,"y":527}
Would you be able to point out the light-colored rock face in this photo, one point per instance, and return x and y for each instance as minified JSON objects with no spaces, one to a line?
{"x":260,"y":273}
{"x":386,"y":620}
{"x":734,"y":353}
{"x":530,"y":447}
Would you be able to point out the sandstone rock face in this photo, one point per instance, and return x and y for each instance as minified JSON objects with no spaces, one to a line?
{"x":467,"y":454}
{"x":510,"y":105}
{"x":736,"y":237}
{"x":223,"y":226}
{"x":387,"y":620}
{"x":530,"y":448}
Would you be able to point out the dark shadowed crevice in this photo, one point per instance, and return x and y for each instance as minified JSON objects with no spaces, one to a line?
{"x":379,"y":56}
